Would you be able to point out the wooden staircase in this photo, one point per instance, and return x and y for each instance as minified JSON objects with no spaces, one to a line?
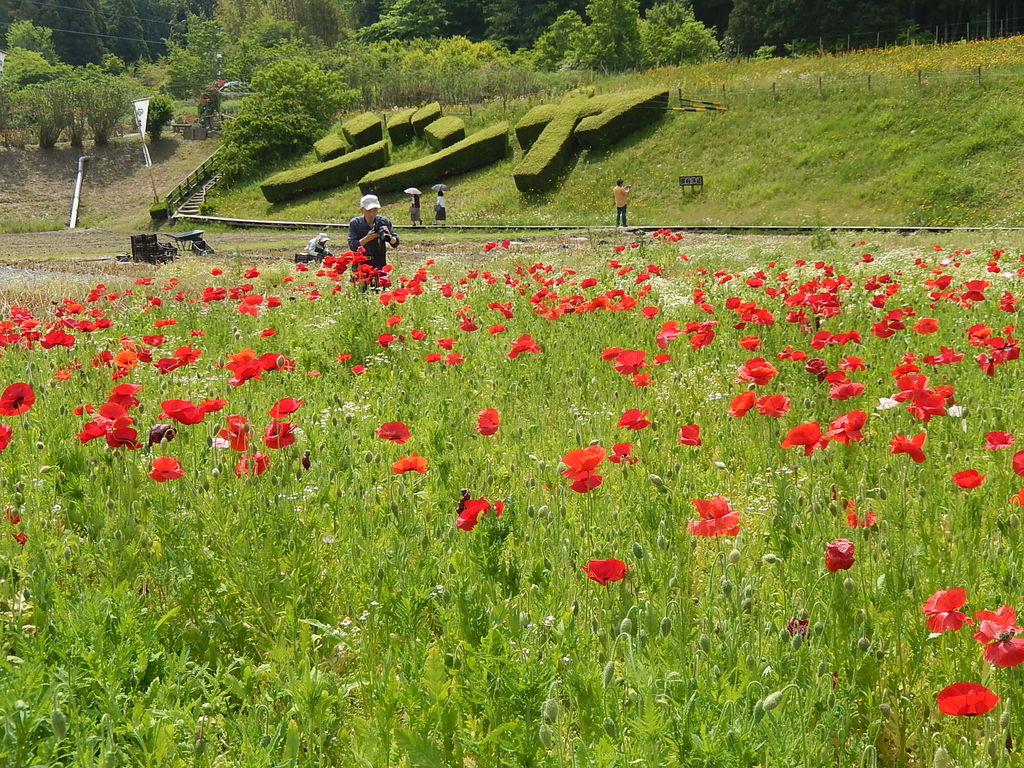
{"x":193,"y":204}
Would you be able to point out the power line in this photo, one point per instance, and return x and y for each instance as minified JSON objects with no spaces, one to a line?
{"x":93,"y":34}
{"x":93,"y":11}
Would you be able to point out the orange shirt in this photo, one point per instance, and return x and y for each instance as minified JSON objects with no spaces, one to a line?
{"x":620,"y":195}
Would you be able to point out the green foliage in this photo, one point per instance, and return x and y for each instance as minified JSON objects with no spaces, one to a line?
{"x":424,"y":116}
{"x":193,"y":66}
{"x":333,"y":145}
{"x":444,"y":132}
{"x":24,"y":34}
{"x":548,"y":156}
{"x":399,"y":125}
{"x":299,"y":181}
{"x":613,"y":36}
{"x":363,"y":130}
{"x":558,"y":45}
{"x":408,"y":19}
{"x":670,"y":36}
{"x":158,"y":211}
{"x":533,"y":123}
{"x":294,"y":104}
{"x":623,"y":115}
{"x":105,"y":101}
{"x":476,"y":151}
{"x":50,"y":109}
{"x":161,"y":112}
{"x":23,"y":67}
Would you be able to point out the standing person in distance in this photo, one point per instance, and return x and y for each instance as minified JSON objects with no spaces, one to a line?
{"x":621,"y":195}
{"x":440,"y":214}
{"x":414,"y":211}
{"x":373,"y":233}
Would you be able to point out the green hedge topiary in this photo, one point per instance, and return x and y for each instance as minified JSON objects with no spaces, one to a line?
{"x":363,"y":130}
{"x":424,"y":116}
{"x":331,"y":146}
{"x":550,"y":153}
{"x":290,"y":184}
{"x":444,"y":132}
{"x":400,"y":125}
{"x":533,"y":123}
{"x":482,"y":148}
{"x":158,"y":211}
{"x":625,"y":114}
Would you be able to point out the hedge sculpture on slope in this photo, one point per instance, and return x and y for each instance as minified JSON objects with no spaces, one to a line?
{"x":482,"y":148}
{"x":550,"y":153}
{"x":424,"y":116}
{"x":444,"y":132}
{"x":626,"y":114}
{"x":363,"y":130}
{"x":331,"y":146}
{"x":400,"y":125}
{"x":290,"y":184}
{"x":533,"y":123}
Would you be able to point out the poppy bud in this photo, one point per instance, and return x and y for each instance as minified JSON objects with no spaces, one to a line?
{"x":770,"y":558}
{"x":863,"y":643}
{"x":993,"y":750}
{"x":662,"y":541}
{"x":626,"y":626}
{"x":758,"y":711}
{"x":1014,"y":520}
{"x":885,"y":709}
{"x":367,"y":458}
{"x":796,"y":641}
{"x":304,"y":461}
{"x":543,"y":510}
{"x":608,"y":674}
{"x":1004,"y":719}
{"x":726,"y":587}
{"x":658,"y":482}
{"x":215,"y":472}
{"x":848,"y":583}
{"x":772,"y":700}
{"x":719,"y":465}
{"x":524,"y":619}
{"x":638,"y":551}
{"x":666,"y":626}
{"x":610,"y":728}
{"x":199,"y":748}
{"x":68,"y":554}
{"x":818,"y":627}
{"x":746,"y":604}
{"x":549,"y":712}
{"x":59,"y":723}
{"x":544,"y":735}
{"x":942,"y":759}
{"x":39,"y":446}
{"x":734,"y":556}
{"x":704,"y":643}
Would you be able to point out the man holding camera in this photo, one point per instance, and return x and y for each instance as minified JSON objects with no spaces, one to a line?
{"x":621,"y":194}
{"x":373,"y":233}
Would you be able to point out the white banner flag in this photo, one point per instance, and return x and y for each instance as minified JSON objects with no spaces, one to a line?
{"x":2,"y":57}
{"x":141,"y":107}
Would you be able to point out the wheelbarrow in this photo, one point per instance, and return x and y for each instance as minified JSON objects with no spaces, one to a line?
{"x":191,"y":241}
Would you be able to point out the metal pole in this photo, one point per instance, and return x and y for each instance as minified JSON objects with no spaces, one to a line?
{"x":73,"y":218}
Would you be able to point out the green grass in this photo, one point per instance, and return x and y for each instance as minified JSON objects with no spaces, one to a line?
{"x":20,"y":226}
{"x":888,"y":152}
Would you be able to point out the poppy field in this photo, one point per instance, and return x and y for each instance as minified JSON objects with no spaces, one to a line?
{"x":655,"y":503}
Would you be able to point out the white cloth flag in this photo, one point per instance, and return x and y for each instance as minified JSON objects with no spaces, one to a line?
{"x":141,"y":107}
{"x":2,"y":57}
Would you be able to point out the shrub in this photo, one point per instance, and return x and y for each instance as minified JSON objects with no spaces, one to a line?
{"x":533,"y":123}
{"x":161,"y":112}
{"x":424,"y":116}
{"x":550,"y":153}
{"x":158,"y":211}
{"x":400,"y":125}
{"x":482,"y":148}
{"x":627,"y":113}
{"x":444,"y":132}
{"x":299,"y":181}
{"x":363,"y":130}
{"x":331,"y":146}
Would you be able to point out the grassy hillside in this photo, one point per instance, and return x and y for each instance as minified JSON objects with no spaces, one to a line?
{"x":915,"y":135}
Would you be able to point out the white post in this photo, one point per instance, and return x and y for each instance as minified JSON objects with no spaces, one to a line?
{"x":73,"y":219}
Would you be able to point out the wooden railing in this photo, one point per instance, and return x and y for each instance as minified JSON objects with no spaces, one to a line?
{"x":192,"y":182}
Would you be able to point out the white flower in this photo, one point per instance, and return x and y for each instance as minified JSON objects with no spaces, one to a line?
{"x":954,"y":411}
{"x":885,"y":403}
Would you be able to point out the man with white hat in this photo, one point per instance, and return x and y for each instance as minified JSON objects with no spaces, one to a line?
{"x":317,"y":247}
{"x":372,"y":232}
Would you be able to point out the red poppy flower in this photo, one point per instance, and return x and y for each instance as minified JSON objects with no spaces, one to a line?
{"x":410,"y":463}
{"x":603,"y":571}
{"x":926,"y":325}
{"x":252,"y":464}
{"x":633,"y":419}
{"x":182,"y":411}
{"x":995,"y":441}
{"x":279,"y":434}
{"x":969,"y":478}
{"x":742,"y":403}
{"x":122,"y":437}
{"x":909,"y":445}
{"x":750,"y":343}
{"x":996,"y":632}
{"x":846,"y":428}
{"x":16,"y":399}
{"x":487,"y":421}
{"x":166,"y":468}
{"x":1018,"y":498}
{"x":469,"y":511}
{"x":284,"y":406}
{"x":839,"y":555}
{"x":395,"y":431}
{"x":689,"y":434}
{"x":5,"y":435}
{"x":868,"y":520}
{"x":717,"y":518}
{"x":772,"y":405}
{"x":212,"y":404}
{"x":356,"y":369}
{"x":966,"y":699}
{"x":236,"y":432}
{"x":621,"y":453}
{"x":808,"y":435}
{"x":1018,"y":463}
{"x":524,"y":343}
{"x":941,"y":610}
{"x":757,"y":370}
{"x":580,"y":465}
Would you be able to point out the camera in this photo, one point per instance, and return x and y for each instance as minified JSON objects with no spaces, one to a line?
{"x":383,"y":232}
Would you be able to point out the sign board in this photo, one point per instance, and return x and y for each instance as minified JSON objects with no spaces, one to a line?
{"x":141,"y":109}
{"x":691,"y":181}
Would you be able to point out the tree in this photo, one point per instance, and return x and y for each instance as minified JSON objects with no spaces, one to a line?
{"x":24,"y":34}
{"x":50,"y":109}
{"x":408,"y":19}
{"x":671,"y":35}
{"x":126,"y":35}
{"x":104,"y":101}
{"x":557,"y":45}
{"x":614,"y":35}
{"x":24,"y":67}
{"x":161,"y":112}
{"x":76,"y":32}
